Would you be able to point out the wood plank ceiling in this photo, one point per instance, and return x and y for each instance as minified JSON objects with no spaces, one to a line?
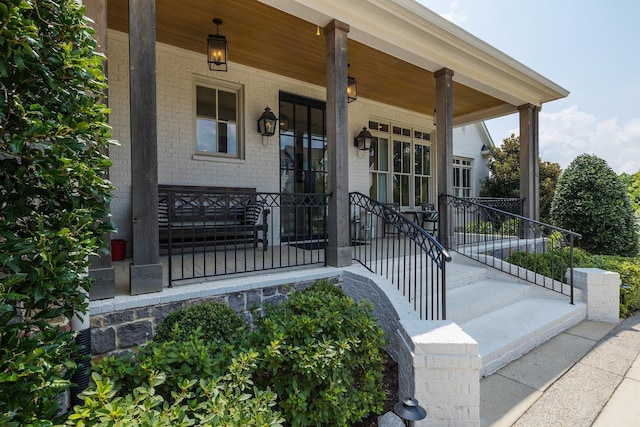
{"x":266,"y":38}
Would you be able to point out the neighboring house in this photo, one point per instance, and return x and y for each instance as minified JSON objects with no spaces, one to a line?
{"x":471,"y":144}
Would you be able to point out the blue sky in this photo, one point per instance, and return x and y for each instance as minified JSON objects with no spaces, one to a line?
{"x":589,"y":47}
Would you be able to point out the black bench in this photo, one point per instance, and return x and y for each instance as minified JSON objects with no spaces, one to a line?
{"x":200,"y":216}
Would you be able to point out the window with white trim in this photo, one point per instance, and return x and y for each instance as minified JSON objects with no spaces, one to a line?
{"x":400,"y":165}
{"x":218,"y":119}
{"x":462,"y":169}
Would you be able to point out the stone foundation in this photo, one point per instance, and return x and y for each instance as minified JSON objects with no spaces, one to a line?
{"x":122,"y":330}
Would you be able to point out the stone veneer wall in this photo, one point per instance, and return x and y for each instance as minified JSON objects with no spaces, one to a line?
{"x":123,"y":330}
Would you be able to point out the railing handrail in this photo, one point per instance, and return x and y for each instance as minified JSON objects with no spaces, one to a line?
{"x":529,"y":230}
{"x":446,"y":198}
{"x":429,"y":288}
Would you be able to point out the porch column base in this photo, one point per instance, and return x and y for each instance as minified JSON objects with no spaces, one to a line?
{"x":145,"y":279}
{"x":339,"y":257}
{"x":104,"y":283}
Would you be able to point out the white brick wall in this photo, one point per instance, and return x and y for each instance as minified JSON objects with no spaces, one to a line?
{"x":438,"y":363}
{"x":601,"y":292}
{"x":176,"y":69}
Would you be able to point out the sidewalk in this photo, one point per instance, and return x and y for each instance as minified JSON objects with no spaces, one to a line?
{"x":586,"y":376}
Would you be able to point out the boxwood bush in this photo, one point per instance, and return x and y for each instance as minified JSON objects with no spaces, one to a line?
{"x":216,"y":321}
{"x":323,"y":357}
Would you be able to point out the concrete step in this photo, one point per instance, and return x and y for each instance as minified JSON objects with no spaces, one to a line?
{"x":482,"y":297}
{"x":462,"y":274}
{"x":505,"y":334}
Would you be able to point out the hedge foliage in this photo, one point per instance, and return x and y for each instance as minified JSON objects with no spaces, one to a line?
{"x":178,"y":383}
{"x":315,"y":359}
{"x":554,"y":264}
{"x":216,"y":321}
{"x":324,"y":357}
{"x":54,"y":198}
{"x":592,"y":200}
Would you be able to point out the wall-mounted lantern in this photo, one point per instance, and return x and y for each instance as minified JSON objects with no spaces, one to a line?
{"x":364,"y":140}
{"x":267,"y":124}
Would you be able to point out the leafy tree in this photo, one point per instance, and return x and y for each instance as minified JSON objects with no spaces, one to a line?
{"x":632,"y":182}
{"x":504,"y":180}
{"x":591,"y":200}
{"x":53,"y":197}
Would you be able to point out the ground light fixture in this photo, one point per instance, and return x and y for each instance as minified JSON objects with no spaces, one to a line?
{"x":409,"y":411}
{"x":217,"y":49}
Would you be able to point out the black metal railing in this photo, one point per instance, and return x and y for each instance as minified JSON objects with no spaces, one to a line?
{"x":208,"y":233}
{"x":531,"y":250}
{"x":388,"y":243}
{"x":511,"y":205}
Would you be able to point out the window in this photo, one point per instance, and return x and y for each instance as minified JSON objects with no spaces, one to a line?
{"x":400,"y":165}
{"x":218,"y":130}
{"x":461,"y":177}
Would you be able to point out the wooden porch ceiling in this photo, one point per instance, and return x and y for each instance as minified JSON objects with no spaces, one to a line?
{"x":269,"y":39}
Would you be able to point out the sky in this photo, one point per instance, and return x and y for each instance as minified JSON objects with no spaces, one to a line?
{"x":589,"y":47}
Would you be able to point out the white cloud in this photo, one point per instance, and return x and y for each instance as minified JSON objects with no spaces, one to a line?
{"x":455,"y":14}
{"x":571,"y":132}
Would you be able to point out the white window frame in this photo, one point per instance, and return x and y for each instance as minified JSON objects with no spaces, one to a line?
{"x":413,"y":136}
{"x":219,"y":85}
{"x":460,"y":166}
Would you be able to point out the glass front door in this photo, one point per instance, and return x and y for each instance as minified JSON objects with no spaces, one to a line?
{"x":303,"y":157}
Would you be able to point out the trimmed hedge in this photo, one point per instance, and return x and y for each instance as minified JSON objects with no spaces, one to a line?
{"x":554,"y":264}
{"x":216,"y":321}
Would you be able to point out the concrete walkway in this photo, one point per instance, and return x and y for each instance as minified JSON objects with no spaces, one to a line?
{"x":586,"y":376}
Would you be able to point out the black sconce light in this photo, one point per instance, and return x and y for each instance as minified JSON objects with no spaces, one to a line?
{"x":352,"y":88}
{"x":485,"y":151}
{"x":409,"y":410}
{"x":364,"y":140}
{"x":267,"y":124}
{"x":217,"y":49}
{"x":434,"y":116}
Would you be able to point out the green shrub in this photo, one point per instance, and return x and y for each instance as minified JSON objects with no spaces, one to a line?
{"x":629,"y":270}
{"x":216,"y":320}
{"x":190,"y":382}
{"x":555,"y":263}
{"x":54,"y":198}
{"x":510,"y":227}
{"x":592,"y":200}
{"x":485,"y":227}
{"x":323,"y":357}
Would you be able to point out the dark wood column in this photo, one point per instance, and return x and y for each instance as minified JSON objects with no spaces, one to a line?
{"x":103,"y":273}
{"x":529,"y":167}
{"x":444,"y":151}
{"x":146,"y":270}
{"x":338,"y":252}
